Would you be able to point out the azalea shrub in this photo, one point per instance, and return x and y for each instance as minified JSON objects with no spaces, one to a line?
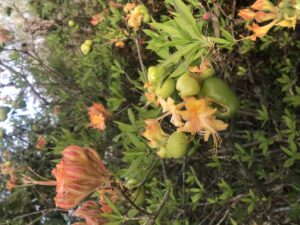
{"x":157,"y":112}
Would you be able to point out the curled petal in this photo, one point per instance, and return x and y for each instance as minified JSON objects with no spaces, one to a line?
{"x":129,"y":6}
{"x":169,"y":108}
{"x":247,"y":14}
{"x":91,"y":212}
{"x":263,"y":16}
{"x":154,"y":133}
{"x":289,"y":22}
{"x":260,"y":31}
{"x":97,"y":18}
{"x":263,"y":5}
{"x":41,"y":142}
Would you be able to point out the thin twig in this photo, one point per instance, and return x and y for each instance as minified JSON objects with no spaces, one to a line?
{"x":153,"y":163}
{"x":124,"y":194}
{"x":140,"y":57}
{"x":27,"y":81}
{"x":223,"y":217}
{"x":163,"y":202}
{"x":164,"y":169}
{"x":233,"y":11}
{"x":31,"y":214}
{"x":183,"y":188}
{"x":215,"y":20}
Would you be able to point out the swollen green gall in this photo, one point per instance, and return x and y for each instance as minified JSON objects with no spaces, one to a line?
{"x":154,"y":73}
{"x":163,"y":153}
{"x":85,"y":49}
{"x":4,"y":110}
{"x":209,"y":72}
{"x":88,"y":42}
{"x":187,"y":86}
{"x":166,"y":89}
{"x":177,"y":145}
{"x":19,"y":104}
{"x":217,"y":91}
{"x":131,"y":183}
{"x":2,"y":133}
{"x":138,"y":196}
{"x":144,"y":11}
{"x":71,"y":23}
{"x":8,"y":163}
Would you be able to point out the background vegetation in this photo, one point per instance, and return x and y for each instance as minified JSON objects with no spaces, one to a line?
{"x":253,"y":176}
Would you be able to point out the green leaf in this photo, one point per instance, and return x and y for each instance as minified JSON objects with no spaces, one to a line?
{"x":135,"y":140}
{"x":288,"y":163}
{"x":227,"y":36}
{"x":114,"y":223}
{"x":181,"y":69}
{"x":112,"y":206}
{"x":251,"y":208}
{"x":111,"y":216}
{"x":180,"y":53}
{"x":125,"y":127}
{"x":169,"y":29}
{"x":185,"y":13}
{"x":131,"y":116}
{"x":185,"y":28}
{"x":233,"y":222}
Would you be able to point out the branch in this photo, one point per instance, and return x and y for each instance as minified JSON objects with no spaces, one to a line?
{"x":34,"y":213}
{"x":124,"y":194}
{"x":140,"y":57}
{"x":160,"y":207}
{"x":36,"y":58}
{"x":27,"y":82}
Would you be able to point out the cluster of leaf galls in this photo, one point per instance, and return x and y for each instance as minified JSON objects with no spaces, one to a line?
{"x":212,"y":88}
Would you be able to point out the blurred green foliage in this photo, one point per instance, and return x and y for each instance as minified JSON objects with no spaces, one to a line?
{"x":252,"y":179}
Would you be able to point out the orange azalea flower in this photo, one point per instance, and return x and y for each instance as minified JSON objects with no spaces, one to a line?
{"x":247,"y":14}
{"x":289,"y":22}
{"x":98,"y":114}
{"x":199,"y":117}
{"x":5,"y":35}
{"x":134,"y":20}
{"x":263,"y":5}
{"x":6,"y":168}
{"x":97,"y":18}
{"x":57,"y":109}
{"x":13,"y":177}
{"x":154,"y":133}
{"x":41,"y":142}
{"x":120,"y":44}
{"x":129,"y":6}
{"x":134,"y":16}
{"x":284,"y":15}
{"x":260,"y":31}
{"x":169,"y":108}
{"x":150,"y":94}
{"x":263,"y":16}
{"x":79,"y":173}
{"x":91,"y":212}
{"x":10,"y":184}
{"x":5,"y":154}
